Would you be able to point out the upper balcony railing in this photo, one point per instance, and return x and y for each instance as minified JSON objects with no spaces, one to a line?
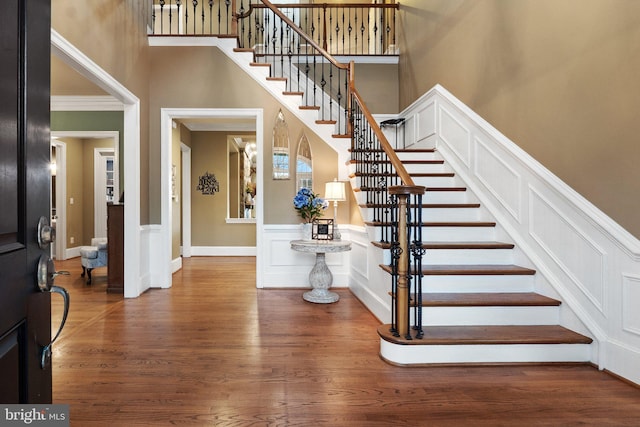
{"x":340,"y":29}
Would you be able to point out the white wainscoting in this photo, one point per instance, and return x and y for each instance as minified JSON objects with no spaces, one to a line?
{"x":223,"y":251}
{"x":580,"y":254}
{"x":151,"y":242}
{"x":282,"y":267}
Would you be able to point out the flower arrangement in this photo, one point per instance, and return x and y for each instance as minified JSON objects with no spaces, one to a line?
{"x":309,"y":205}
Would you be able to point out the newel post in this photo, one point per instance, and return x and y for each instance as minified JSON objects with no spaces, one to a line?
{"x":403,"y":247}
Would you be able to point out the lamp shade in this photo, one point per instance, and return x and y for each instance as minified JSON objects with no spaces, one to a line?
{"x":334,"y":191}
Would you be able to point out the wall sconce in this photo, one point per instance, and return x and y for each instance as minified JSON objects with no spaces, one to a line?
{"x":208,"y":184}
{"x":334,"y":192}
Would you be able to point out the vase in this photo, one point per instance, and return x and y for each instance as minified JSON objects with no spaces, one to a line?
{"x":306,"y":230}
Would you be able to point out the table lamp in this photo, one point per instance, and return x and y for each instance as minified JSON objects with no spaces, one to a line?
{"x":334,"y":192}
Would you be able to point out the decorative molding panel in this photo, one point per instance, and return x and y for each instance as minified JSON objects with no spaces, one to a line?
{"x":426,"y":122}
{"x":630,"y":299}
{"x":456,"y":135}
{"x":578,"y":256}
{"x":504,"y":182}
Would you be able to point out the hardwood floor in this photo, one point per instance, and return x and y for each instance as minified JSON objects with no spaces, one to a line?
{"x":215,"y":351}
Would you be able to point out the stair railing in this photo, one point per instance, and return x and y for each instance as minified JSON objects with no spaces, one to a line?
{"x":397,"y":205}
{"x":295,"y":58}
{"x":340,"y":29}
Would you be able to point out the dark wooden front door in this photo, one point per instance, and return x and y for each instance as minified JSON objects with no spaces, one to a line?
{"x":25,"y":312}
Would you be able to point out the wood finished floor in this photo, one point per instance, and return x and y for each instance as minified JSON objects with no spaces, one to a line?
{"x":216,"y":351}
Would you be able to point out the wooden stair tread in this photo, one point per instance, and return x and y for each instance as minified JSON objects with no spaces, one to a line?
{"x":476,"y":335}
{"x":472,"y":270}
{"x":433,"y":189}
{"x":293,"y":93}
{"x":309,"y":107}
{"x":259,"y":64}
{"x":417,"y":175}
{"x":439,"y":224}
{"x":415,"y":150}
{"x":397,"y":150}
{"x":405,"y":162}
{"x":243,"y":49}
{"x":341,"y":135}
{"x":326,"y":122}
{"x":428,"y":205}
{"x":277,"y":79}
{"x":487,"y":299}
{"x":455,"y":245}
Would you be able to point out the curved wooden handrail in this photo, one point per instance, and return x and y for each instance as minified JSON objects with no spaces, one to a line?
{"x":295,"y":28}
{"x":386,"y":146}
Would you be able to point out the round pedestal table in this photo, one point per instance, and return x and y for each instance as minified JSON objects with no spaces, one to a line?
{"x":320,"y":276}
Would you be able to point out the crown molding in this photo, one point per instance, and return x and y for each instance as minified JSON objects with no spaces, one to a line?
{"x":85,"y":103}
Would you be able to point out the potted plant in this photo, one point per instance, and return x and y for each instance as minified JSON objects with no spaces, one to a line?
{"x":310,"y":207}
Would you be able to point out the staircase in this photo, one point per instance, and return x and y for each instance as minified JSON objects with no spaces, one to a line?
{"x":478,"y":303}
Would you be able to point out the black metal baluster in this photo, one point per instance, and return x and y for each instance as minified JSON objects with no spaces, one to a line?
{"x":343,"y":32}
{"x":350,"y":30}
{"x":417,"y":252}
{"x":362,"y":29}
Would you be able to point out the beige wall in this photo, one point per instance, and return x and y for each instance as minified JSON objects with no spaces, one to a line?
{"x":113,"y":35}
{"x":80,"y":183}
{"x":209,"y":212}
{"x":559,"y":78}
{"x":221,"y":84}
{"x":75,"y":191}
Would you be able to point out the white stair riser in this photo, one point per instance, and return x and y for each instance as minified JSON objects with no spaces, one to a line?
{"x":434,"y":181}
{"x":469,"y":316}
{"x":403,"y":155}
{"x":426,"y":168}
{"x":437,"y":214}
{"x":449,"y":197}
{"x":438,"y":181}
{"x":462,"y":256}
{"x":510,"y":283}
{"x":497,"y":353}
{"x":450,"y":234}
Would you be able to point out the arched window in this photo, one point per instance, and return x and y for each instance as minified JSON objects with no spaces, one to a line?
{"x":304,"y":164}
{"x":280,"y":148}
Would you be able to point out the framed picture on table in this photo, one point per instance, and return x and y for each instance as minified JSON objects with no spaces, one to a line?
{"x":322,"y":229}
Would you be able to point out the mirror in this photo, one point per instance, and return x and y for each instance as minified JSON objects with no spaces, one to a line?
{"x":304,"y":164}
{"x":280,"y":148}
{"x":242,"y":172}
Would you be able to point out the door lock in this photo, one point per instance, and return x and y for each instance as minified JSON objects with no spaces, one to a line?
{"x":46,"y":233}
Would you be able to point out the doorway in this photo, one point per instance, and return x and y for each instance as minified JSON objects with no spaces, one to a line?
{"x":167,"y":119}
{"x":133,"y":253}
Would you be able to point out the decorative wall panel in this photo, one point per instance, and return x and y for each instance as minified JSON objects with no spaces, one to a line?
{"x":426,"y":121}
{"x":630,"y":299}
{"x":579,"y":257}
{"x":499,"y":178}
{"x":456,"y":135}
